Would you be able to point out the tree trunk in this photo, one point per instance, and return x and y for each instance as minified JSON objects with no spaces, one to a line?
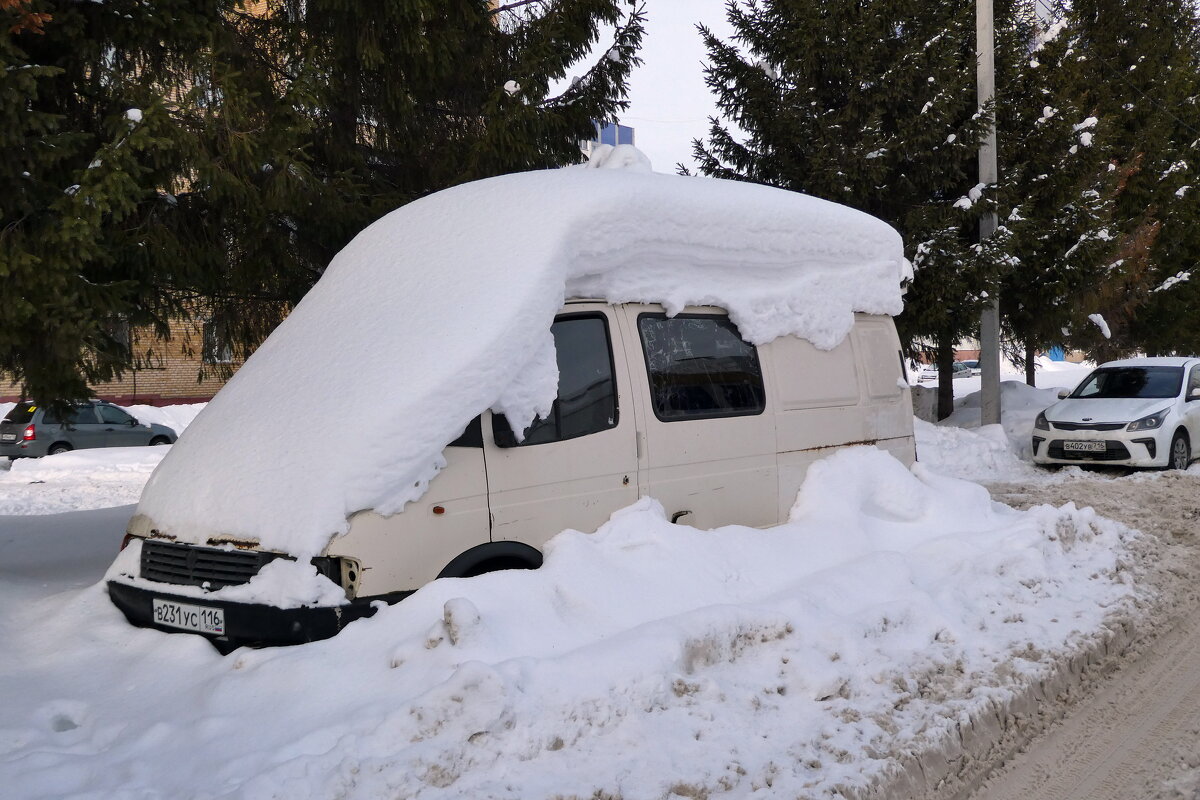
{"x":1030,"y":376}
{"x":945,"y":363}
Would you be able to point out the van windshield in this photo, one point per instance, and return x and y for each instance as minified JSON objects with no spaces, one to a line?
{"x":21,"y":413}
{"x":1131,"y":382}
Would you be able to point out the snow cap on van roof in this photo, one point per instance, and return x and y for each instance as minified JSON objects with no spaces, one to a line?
{"x":442,"y":309}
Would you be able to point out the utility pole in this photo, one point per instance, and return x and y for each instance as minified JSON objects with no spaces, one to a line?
{"x":989,"y":321}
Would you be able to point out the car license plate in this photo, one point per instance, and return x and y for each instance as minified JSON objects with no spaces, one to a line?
{"x":8,"y":437}
{"x":202,"y":619}
{"x":1085,"y":447}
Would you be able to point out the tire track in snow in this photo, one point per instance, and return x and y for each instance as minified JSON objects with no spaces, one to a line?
{"x":1123,"y":741}
{"x":1135,"y":735}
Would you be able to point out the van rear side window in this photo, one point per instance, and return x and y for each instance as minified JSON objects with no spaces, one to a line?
{"x":587,"y":394}
{"x":699,"y":367}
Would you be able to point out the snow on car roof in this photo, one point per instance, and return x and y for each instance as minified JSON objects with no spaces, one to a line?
{"x":442,"y":309}
{"x":1152,"y":361}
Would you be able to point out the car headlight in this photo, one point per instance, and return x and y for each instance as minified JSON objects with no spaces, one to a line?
{"x":1149,"y":423}
{"x":1040,"y":423}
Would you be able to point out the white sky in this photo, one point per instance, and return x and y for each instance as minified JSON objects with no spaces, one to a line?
{"x":670,"y":104}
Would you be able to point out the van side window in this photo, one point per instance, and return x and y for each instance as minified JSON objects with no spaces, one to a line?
{"x":700,"y":367}
{"x":587,"y":394}
{"x":472,"y":436}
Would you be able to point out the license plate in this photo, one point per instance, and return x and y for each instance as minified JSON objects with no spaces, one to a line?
{"x":1085,"y":447}
{"x":202,"y":619}
{"x":8,"y":437}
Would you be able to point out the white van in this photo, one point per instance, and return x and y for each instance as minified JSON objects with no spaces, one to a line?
{"x":677,"y":406}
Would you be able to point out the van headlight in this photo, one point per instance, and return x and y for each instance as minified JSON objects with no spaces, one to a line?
{"x":1040,"y":423}
{"x":1149,"y":423}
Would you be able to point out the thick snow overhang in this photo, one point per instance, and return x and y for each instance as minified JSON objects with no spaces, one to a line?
{"x":442,"y":309}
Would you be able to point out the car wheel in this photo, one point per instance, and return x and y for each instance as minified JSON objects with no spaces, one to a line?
{"x":1181,"y":452}
{"x":157,"y":440}
{"x":61,"y":447}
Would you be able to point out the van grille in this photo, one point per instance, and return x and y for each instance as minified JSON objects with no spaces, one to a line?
{"x":199,"y":566}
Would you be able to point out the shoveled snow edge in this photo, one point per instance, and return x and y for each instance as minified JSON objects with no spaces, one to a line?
{"x":952,"y":765}
{"x":958,"y":762}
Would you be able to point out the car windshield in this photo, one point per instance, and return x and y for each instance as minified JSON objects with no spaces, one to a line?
{"x":1126,"y":382}
{"x":21,"y":413}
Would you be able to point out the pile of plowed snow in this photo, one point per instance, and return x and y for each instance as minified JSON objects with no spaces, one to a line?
{"x":95,"y":478}
{"x":793,"y":661}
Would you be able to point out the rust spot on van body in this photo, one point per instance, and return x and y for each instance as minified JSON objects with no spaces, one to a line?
{"x":864,"y":442}
{"x":241,"y":544}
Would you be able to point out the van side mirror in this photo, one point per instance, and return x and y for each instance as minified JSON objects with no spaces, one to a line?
{"x":1194,"y":394}
{"x":502,"y":432}
{"x":1063,"y":394}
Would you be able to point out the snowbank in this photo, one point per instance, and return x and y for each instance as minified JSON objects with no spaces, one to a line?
{"x":979,"y":454}
{"x":176,"y":417}
{"x":960,"y":447}
{"x":795,"y":661}
{"x":442,"y":309}
{"x":83,"y":479}
{"x":1019,"y":404}
{"x":98,"y":478}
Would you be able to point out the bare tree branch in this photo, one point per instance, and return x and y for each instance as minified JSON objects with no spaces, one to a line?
{"x":511,"y":6}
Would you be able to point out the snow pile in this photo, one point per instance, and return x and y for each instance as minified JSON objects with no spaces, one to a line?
{"x":443,"y":308}
{"x":176,"y":417}
{"x":622,"y":156}
{"x":960,"y":447}
{"x":982,"y":454}
{"x":98,"y":478}
{"x":794,"y":661}
{"x":1020,"y":404}
{"x":94,"y":478}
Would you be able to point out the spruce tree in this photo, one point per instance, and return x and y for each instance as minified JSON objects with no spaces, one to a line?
{"x":88,"y":148}
{"x":1055,"y":195}
{"x":1139,"y":63}
{"x":872,"y":105}
{"x":208,"y":157}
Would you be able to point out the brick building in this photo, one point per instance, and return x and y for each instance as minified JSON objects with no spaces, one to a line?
{"x":187,"y":368}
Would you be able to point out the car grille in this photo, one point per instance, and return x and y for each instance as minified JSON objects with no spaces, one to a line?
{"x":200,"y":566}
{"x":1083,"y":426}
{"x":1113,"y":451}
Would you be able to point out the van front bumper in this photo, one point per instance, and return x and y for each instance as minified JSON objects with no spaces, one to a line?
{"x":249,"y":623}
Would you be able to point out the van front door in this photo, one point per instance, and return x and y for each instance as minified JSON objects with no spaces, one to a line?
{"x":573,"y":469}
{"x":710,"y":452}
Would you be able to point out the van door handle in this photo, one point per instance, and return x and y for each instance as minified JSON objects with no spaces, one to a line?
{"x":679,"y":515}
{"x":640,"y":438}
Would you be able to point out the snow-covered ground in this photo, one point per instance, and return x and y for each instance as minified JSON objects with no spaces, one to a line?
{"x":647,"y":660}
{"x":87,"y":478}
{"x":959,"y":446}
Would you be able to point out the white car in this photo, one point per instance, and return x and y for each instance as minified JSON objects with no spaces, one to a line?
{"x":1140,"y":412}
{"x":929,"y":373}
